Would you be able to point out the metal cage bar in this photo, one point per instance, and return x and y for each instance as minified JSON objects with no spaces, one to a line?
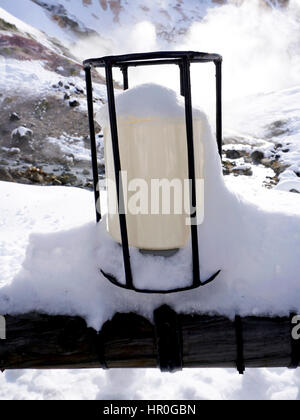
{"x":191,"y":168}
{"x":89,"y":92}
{"x":218,"y":65}
{"x":118,"y":177}
{"x":183,"y":59}
{"x":166,"y":57}
{"x":124,"y":70}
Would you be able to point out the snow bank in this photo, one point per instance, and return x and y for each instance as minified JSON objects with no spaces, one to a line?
{"x":289,"y":185}
{"x":148,"y":384}
{"x":255,"y":246}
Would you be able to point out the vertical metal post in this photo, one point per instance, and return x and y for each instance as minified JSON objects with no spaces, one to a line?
{"x":181,"y":79}
{"x":117,"y":165}
{"x":191,"y":167}
{"x":218,"y":65}
{"x":124,"y":70}
{"x":89,"y":92}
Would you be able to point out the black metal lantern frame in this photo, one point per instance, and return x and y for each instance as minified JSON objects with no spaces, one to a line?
{"x":182,"y":59}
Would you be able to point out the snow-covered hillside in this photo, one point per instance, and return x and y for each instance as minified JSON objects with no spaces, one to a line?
{"x":43,"y":89}
{"x":67,"y":19}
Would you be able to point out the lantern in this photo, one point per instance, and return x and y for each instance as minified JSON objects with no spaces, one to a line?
{"x":152,"y":146}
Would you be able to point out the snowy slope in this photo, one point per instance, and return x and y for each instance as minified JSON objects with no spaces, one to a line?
{"x":69,"y":20}
{"x":33,"y":15}
{"x":103,"y":16}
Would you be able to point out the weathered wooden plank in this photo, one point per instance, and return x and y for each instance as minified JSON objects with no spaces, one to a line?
{"x":42,"y":341}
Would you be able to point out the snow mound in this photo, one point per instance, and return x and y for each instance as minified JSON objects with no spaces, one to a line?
{"x":289,"y":185}
{"x":148,"y":100}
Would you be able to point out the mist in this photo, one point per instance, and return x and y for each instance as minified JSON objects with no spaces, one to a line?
{"x":260,"y":48}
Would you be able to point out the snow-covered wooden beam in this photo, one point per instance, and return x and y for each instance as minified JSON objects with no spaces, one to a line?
{"x":43,"y":341}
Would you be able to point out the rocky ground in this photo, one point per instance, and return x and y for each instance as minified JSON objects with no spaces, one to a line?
{"x":43,"y":118}
{"x":44,"y":140}
{"x":240,"y":159}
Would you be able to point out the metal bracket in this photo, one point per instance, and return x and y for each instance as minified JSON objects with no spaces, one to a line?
{"x":240,"y":364}
{"x":100,"y":350}
{"x":168,"y":339}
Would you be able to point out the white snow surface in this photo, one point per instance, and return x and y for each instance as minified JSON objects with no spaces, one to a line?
{"x":27,"y":76}
{"x":255,"y":244}
{"x":32,"y":79}
{"x":136,"y":384}
{"x":49,"y":210}
{"x":147,"y":100}
{"x":31,"y":18}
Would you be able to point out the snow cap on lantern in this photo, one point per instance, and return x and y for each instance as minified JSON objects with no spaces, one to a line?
{"x":154,"y":163}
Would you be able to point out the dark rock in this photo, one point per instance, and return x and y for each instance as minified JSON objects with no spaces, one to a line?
{"x":23,"y":180}
{"x":266,"y":162}
{"x":66,"y":97}
{"x":79,"y":90}
{"x":257,"y":156}
{"x":294,"y":191}
{"x":243,"y":171}
{"x":29,"y":159}
{"x":66,"y":178}
{"x":36,"y":177}
{"x":74,"y":103}
{"x":67,"y":87}
{"x":14,"y":117}
{"x":277,"y":128}
{"x":232,"y":154}
{"x":5,"y":175}
{"x":56,"y":182}
{"x":228,"y":167}
{"x":278,"y":167}
{"x":60,"y":83}
{"x":21,"y":135}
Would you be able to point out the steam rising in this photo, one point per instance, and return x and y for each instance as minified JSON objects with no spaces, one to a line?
{"x":260,"y":47}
